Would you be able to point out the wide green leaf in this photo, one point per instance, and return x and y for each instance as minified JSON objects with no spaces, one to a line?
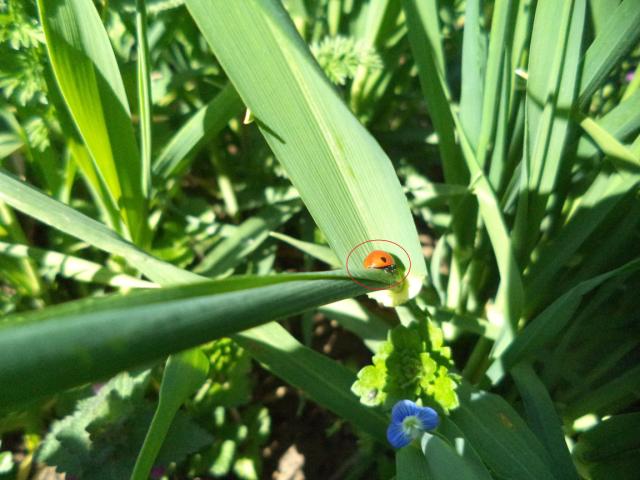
{"x":443,"y":461}
{"x":500,"y":436}
{"x":344,"y":178}
{"x":411,"y":464}
{"x":311,"y":380}
{"x":97,"y":338}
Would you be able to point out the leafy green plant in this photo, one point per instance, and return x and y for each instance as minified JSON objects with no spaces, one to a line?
{"x":412,"y":363}
{"x":491,"y":146}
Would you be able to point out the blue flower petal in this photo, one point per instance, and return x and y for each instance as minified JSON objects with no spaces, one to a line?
{"x":403,"y":409}
{"x":396,"y":436}
{"x":428,"y":417}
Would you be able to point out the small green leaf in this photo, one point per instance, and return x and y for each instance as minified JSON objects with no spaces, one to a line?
{"x":412,"y":363}
{"x":370,"y":384}
{"x":69,"y":445}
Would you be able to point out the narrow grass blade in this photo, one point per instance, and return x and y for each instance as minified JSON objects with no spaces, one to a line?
{"x":591,"y":209}
{"x":550,"y":322}
{"x":319,"y":252}
{"x":144,"y":94}
{"x":371,"y":34}
{"x":246,"y":239}
{"x":425,"y":38}
{"x":426,"y":44}
{"x":474,"y":58}
{"x":621,"y":122}
{"x":610,"y":145}
{"x":183,"y":375}
{"x":23,"y":273}
{"x":501,"y":33}
{"x":200,"y":128}
{"x":617,"y":37}
{"x":87,"y":73}
{"x":97,"y":188}
{"x":611,"y":397}
{"x":551,"y":90}
{"x":344,"y":178}
{"x":510,"y":296}
{"x":72,"y":267}
{"x":543,"y":419}
{"x":354,"y":317}
{"x":28,"y":200}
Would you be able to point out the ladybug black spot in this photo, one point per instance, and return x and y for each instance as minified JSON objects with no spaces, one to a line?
{"x":384,"y":259}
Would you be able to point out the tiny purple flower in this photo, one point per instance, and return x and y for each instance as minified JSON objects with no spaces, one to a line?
{"x":630,"y":76}
{"x":157,"y":472}
{"x":409,"y":421}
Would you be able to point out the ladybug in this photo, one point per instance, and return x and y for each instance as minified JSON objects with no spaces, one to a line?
{"x":380,"y":260}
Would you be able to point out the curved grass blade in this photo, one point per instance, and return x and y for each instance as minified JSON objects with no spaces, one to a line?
{"x":550,"y":322}
{"x":72,"y":267}
{"x":543,"y":419}
{"x":36,"y":204}
{"x":245,"y":239}
{"x":618,"y":36}
{"x":319,"y":252}
{"x":201,"y":127}
{"x":183,"y":375}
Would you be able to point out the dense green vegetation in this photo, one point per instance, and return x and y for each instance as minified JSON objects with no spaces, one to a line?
{"x":188,"y":193}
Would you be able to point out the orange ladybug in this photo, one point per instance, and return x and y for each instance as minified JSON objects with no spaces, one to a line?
{"x":381,"y":260}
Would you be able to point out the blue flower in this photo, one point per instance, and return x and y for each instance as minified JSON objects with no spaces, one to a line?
{"x":409,"y":421}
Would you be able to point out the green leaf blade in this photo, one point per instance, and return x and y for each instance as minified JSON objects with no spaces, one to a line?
{"x":88,"y":76}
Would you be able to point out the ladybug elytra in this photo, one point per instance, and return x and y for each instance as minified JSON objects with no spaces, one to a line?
{"x":380,"y":260}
